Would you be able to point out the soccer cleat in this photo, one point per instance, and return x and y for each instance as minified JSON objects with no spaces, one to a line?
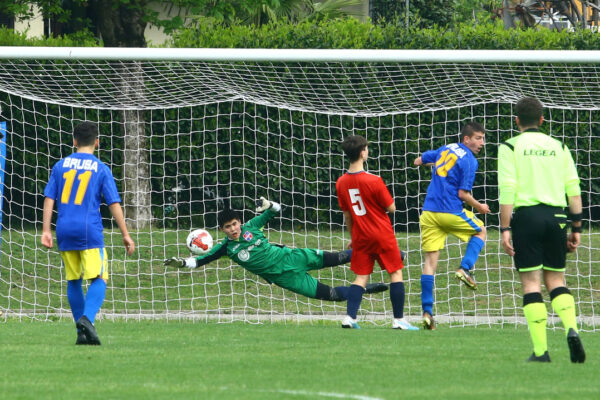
{"x":350,"y":323}
{"x":81,"y":339}
{"x":402,"y":255}
{"x":465,"y":276}
{"x":575,"y":347}
{"x":376,"y":287}
{"x":428,"y":322}
{"x":543,"y":358}
{"x":402,"y":324}
{"x":85,"y":326}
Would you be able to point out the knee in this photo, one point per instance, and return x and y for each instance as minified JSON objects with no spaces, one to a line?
{"x":482,"y":234}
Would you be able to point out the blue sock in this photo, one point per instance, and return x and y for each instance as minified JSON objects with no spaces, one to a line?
{"x":473,"y":249}
{"x":397,"y":298}
{"x":427,"y":282}
{"x":342,"y":292}
{"x":94,"y":298}
{"x":76,"y":299}
{"x":355,"y":294}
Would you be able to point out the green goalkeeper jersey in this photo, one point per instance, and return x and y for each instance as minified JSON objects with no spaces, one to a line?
{"x":252,"y":250}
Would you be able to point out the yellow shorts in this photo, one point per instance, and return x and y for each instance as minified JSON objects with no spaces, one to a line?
{"x":90,"y":263}
{"x":436,"y":226}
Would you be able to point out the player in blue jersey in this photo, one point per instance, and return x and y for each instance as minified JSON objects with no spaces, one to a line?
{"x":77,"y":184}
{"x":454,"y":167}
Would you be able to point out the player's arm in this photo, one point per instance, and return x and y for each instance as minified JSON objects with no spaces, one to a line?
{"x":218,"y":251}
{"x":47,"y":219}
{"x":117,"y":213}
{"x":268,"y":209}
{"x":507,"y":185}
{"x":573,"y":192}
{"x":348,"y":219}
{"x":468,"y":198}
{"x":428,"y":158}
{"x":575,"y":211}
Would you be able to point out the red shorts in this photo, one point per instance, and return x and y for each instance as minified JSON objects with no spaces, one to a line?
{"x":363,"y":259}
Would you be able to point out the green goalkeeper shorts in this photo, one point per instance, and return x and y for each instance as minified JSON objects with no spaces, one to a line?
{"x":294,"y":276}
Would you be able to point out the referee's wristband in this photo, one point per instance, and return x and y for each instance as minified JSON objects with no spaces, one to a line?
{"x":576,"y":217}
{"x":575,"y":229}
{"x":507,"y":228}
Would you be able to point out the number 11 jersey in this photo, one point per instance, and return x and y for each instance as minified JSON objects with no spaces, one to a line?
{"x":366,"y":197}
{"x":77,"y":183}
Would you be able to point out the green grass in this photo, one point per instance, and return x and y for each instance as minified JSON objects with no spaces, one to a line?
{"x":32,"y":279}
{"x":185,"y":360}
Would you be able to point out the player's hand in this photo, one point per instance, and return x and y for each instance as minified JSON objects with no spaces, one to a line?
{"x":483,"y":208}
{"x":47,"y":239}
{"x":129,"y":244}
{"x":573,"y":241}
{"x":349,"y":245}
{"x":175,"y":262}
{"x":507,"y":243}
{"x":418,"y":161}
{"x":262,"y":204}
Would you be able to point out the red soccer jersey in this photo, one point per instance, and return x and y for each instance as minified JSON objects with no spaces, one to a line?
{"x":366,"y":197}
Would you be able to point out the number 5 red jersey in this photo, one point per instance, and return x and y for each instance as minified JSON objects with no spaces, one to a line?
{"x":366,"y":197}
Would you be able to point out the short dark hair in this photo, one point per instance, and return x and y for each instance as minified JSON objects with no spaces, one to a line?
{"x":227,"y":215}
{"x":353,"y":145}
{"x":529,"y":110}
{"x":85,"y":133}
{"x":469,"y":130}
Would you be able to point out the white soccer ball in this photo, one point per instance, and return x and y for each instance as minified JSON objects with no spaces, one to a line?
{"x":199,"y":241}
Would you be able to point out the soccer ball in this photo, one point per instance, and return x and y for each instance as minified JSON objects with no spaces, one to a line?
{"x":199,"y":241}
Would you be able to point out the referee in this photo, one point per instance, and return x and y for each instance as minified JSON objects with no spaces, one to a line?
{"x":536,"y":176}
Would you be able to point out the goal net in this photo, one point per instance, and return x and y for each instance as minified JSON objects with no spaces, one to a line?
{"x":190,"y":132}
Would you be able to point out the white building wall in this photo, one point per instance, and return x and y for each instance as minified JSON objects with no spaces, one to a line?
{"x":33,"y":26}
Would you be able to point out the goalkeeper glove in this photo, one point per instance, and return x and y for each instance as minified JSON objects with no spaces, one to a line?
{"x":263,"y":204}
{"x":181,"y":262}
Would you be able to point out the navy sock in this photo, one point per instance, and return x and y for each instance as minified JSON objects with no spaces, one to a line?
{"x":397,"y":298}
{"x":342,"y":292}
{"x":473,"y":249}
{"x":76,"y":299}
{"x":427,"y":293}
{"x":94,"y":298}
{"x":355,"y":294}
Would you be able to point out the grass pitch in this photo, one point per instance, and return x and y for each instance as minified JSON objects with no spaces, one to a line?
{"x":186,"y":360}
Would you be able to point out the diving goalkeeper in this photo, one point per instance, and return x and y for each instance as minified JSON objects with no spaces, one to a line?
{"x":285,"y":267}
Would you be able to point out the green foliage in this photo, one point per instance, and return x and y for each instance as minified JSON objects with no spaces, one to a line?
{"x":8,"y":37}
{"x":351,"y":33}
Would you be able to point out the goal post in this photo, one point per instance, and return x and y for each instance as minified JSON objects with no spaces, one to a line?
{"x":188,"y":132}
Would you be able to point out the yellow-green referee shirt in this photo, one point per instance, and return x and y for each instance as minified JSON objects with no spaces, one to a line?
{"x":534,"y":168}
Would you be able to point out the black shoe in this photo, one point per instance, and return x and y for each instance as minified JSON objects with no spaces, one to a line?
{"x":85,"y":326}
{"x":543,"y":358}
{"x":81,"y":338}
{"x":402,"y":255}
{"x":575,"y":347}
{"x":376,"y":287}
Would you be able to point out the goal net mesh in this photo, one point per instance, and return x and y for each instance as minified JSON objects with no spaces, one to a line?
{"x":186,"y":139}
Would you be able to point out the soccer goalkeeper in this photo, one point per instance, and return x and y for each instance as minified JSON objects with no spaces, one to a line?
{"x":285,"y":267}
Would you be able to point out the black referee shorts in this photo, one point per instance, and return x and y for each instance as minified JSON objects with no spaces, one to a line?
{"x":539,"y":235}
